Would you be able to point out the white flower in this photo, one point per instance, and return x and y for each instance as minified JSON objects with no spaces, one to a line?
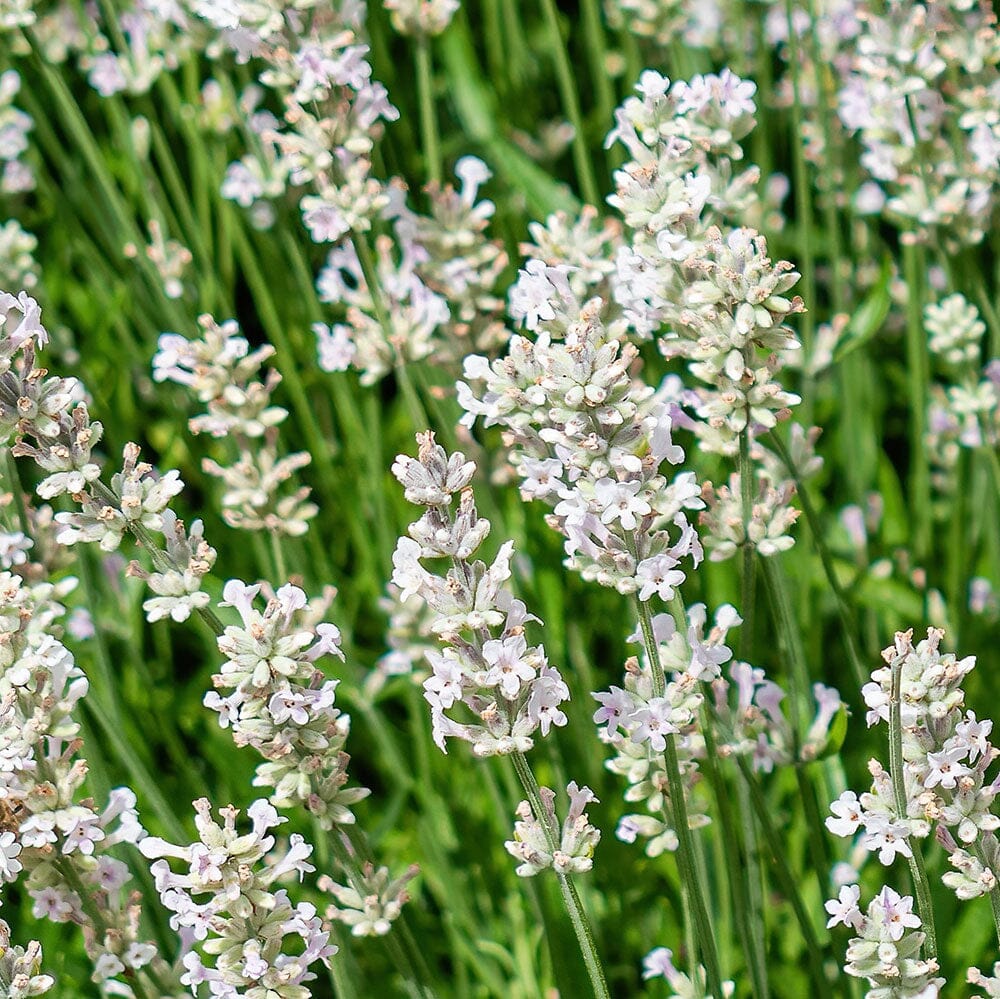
{"x":658,"y":575}
{"x":620,"y":501}
{"x":10,"y":866}
{"x":336,"y":348}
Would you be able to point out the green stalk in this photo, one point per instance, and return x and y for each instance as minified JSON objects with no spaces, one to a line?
{"x":977,"y":849}
{"x":428,"y":117}
{"x":690,"y":882}
{"x":597,"y":50}
{"x":418,"y":415}
{"x":567,"y":888}
{"x":848,"y":624}
{"x":406,"y":955}
{"x":748,"y":575}
{"x":786,"y":878}
{"x":279,"y":559}
{"x":13,"y":480}
{"x":803,"y":212}
{"x":571,"y":105}
{"x":743,"y":870}
{"x":791,"y":638}
{"x":921,"y":886}
{"x":286,"y":362}
{"x":917,"y":380}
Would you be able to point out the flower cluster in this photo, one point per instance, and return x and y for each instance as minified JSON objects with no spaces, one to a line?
{"x":221,"y":370}
{"x":486,"y":665}
{"x":659,"y":963}
{"x":256,"y":942}
{"x":946,"y":752}
{"x":535,"y":844}
{"x":53,"y":427}
{"x":18,"y":268}
{"x":636,"y":721}
{"x":370,"y":903}
{"x":748,"y":719}
{"x":421,"y":17}
{"x":964,"y":406}
{"x":589,"y":440}
{"x":15,"y":125}
{"x":765,"y":527}
{"x":886,"y":951}
{"x":919,"y":92}
{"x":52,"y":833}
{"x":20,"y":968}
{"x":945,"y":755}
{"x":315,"y":62}
{"x":168,"y":256}
{"x":435,"y":284}
{"x":277,"y":700}
{"x":706,"y":290}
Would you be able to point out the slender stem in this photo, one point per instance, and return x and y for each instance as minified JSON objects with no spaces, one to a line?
{"x":593,"y":32}
{"x":787,"y":880}
{"x":921,"y":886}
{"x":917,"y":379}
{"x":977,"y":849}
{"x":571,"y":105}
{"x":428,"y":118}
{"x":10,"y":473}
{"x":849,"y":625}
{"x":748,"y":576}
{"x":690,"y":881}
{"x":803,"y":211}
{"x":744,"y":871}
{"x":571,"y":898}
{"x":279,"y":559}
{"x":418,"y":415}
{"x":791,"y":638}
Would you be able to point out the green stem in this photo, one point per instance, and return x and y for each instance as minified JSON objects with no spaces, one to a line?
{"x":848,"y":625}
{"x":279,"y":559}
{"x":791,"y":638}
{"x":405,"y":953}
{"x":593,"y":32}
{"x":921,"y":886}
{"x":786,"y":879}
{"x":571,"y":898}
{"x":917,"y":379}
{"x":803,"y":212}
{"x":571,"y":105}
{"x":418,"y":415}
{"x":14,"y":482}
{"x":748,"y":576}
{"x":690,"y":881}
{"x":428,"y":117}
{"x":743,"y":869}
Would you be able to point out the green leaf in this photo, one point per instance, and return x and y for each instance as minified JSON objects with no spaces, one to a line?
{"x":476,"y":108}
{"x":869,"y":316}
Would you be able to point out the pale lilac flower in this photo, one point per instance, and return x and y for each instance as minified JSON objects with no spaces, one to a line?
{"x":336,"y":347}
{"x":659,"y":575}
{"x":897,"y":914}
{"x":844,"y":909}
{"x":946,"y":767}
{"x":654,"y":722}
{"x":616,"y":708}
{"x":887,"y":837}
{"x":848,"y":815}
{"x":620,"y":501}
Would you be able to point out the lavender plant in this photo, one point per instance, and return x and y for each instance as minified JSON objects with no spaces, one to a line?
{"x":706,"y":289}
